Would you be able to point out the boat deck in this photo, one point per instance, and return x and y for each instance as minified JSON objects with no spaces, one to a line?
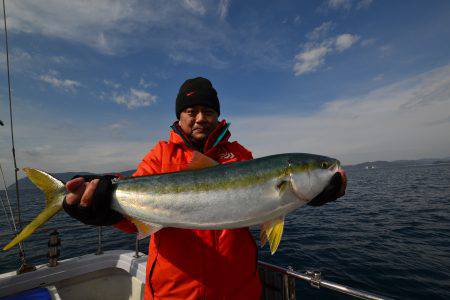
{"x":113,"y":275}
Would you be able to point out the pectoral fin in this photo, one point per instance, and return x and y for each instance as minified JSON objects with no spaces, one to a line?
{"x":272,"y":231}
{"x":282,"y":186}
{"x":145,"y":229}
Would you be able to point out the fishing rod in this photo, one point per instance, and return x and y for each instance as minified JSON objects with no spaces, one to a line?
{"x":25,"y":267}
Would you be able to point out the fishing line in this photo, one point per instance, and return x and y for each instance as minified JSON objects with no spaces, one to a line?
{"x":11,"y":223}
{"x":16,"y":170}
{"x":25,"y":267}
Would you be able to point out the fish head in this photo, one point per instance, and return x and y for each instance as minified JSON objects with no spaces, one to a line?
{"x":312,"y":174}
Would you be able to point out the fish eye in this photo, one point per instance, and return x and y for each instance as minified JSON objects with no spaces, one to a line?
{"x":324,"y":165}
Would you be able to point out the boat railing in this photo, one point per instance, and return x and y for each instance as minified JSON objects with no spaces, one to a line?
{"x":283,"y":287}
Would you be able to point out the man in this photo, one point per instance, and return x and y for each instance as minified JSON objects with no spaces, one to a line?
{"x":182,"y":263}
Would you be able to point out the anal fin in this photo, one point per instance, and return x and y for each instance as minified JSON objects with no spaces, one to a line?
{"x":272,"y":231}
{"x":145,"y":229}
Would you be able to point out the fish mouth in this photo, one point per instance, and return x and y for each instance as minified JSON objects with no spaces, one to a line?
{"x":334,"y":190}
{"x":341,"y":179}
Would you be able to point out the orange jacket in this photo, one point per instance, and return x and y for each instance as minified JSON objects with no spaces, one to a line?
{"x":198,"y":264}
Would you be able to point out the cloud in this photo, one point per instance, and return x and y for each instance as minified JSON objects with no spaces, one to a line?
{"x":379,"y":77}
{"x":185,"y":31}
{"x":337,"y":4}
{"x":313,"y":54}
{"x":320,"y":31}
{"x":118,"y":125}
{"x":115,"y":27}
{"x":439,"y":122}
{"x":363,"y":4}
{"x":195,"y":6}
{"x":89,"y":22}
{"x":59,"y":59}
{"x":385,"y":50}
{"x":111,"y":84}
{"x":118,"y":129}
{"x":403,"y":120}
{"x":64,"y":84}
{"x":310,"y":59}
{"x":38,"y":151}
{"x":32,"y":63}
{"x":180,"y":56}
{"x":345,"y":4}
{"x":19,"y":55}
{"x":224,"y":6}
{"x":345,"y":41}
{"x":143,"y":83}
{"x":104,"y":156}
{"x":134,"y":98}
{"x":19,"y":59}
{"x":61,"y":144}
{"x":368,"y":42}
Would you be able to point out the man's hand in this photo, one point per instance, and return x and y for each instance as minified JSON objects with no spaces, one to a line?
{"x":80,"y":191}
{"x":89,"y":200}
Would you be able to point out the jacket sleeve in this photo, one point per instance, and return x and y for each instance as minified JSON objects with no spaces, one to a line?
{"x":243,"y":153}
{"x":150,"y":164}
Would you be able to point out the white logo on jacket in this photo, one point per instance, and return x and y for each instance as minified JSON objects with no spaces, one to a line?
{"x":226,"y":155}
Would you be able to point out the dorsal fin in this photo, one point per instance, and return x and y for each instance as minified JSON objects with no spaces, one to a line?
{"x":200,"y":161}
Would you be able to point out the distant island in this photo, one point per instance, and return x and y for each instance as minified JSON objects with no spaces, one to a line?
{"x":399,"y":163}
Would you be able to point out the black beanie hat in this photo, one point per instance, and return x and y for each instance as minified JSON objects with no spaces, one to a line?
{"x":196,"y":91}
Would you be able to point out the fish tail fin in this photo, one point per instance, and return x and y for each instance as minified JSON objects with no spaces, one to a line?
{"x":54,"y":191}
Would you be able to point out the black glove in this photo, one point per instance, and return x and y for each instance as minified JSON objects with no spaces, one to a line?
{"x":99,"y":212}
{"x":334,"y":190}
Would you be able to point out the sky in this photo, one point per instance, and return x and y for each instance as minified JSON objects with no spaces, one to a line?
{"x":94,"y":82}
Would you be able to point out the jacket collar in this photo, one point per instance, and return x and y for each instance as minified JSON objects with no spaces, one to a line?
{"x":220,"y":134}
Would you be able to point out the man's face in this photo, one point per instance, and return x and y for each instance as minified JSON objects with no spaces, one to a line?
{"x":198,"y":121}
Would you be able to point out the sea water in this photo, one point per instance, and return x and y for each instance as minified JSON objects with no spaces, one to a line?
{"x":390,"y":234}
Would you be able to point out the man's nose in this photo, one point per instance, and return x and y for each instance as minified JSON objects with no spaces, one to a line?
{"x":200,"y":117}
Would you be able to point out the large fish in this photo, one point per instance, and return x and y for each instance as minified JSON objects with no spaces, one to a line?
{"x":208,"y":195}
